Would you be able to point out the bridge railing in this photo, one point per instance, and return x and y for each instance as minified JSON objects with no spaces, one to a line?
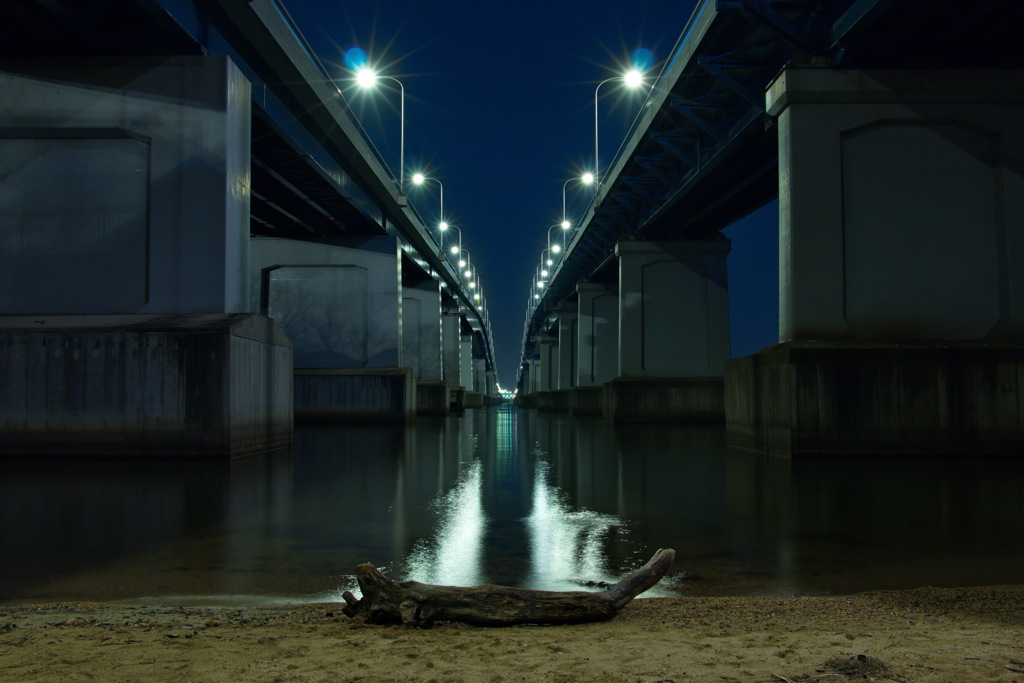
{"x":297,"y":33}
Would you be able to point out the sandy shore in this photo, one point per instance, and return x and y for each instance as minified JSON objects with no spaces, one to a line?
{"x":929,"y":634}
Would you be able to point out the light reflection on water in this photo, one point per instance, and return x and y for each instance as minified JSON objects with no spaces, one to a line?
{"x":502,"y":496}
{"x":454,"y":557}
{"x":566,"y":545}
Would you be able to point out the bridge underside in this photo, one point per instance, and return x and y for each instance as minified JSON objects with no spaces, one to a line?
{"x":895,"y":236}
{"x":146,"y":145}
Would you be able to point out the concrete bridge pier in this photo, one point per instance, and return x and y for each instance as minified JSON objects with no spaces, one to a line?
{"x":548,"y":372}
{"x":422,"y":344}
{"x":558,"y":359}
{"x":597,"y":345}
{"x":527,"y":398}
{"x":124,"y":245}
{"x":341,"y":305}
{"x":568,"y":352}
{"x":673,"y":321}
{"x":901,"y":261}
{"x":478,"y":388}
{"x":451,"y":332}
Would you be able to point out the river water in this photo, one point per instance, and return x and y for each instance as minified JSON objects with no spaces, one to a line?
{"x":501,"y":495}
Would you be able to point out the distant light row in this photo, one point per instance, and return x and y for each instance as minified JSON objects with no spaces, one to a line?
{"x":366,"y":77}
{"x":632,"y":79}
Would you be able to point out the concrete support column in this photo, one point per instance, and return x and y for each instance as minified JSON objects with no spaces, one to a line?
{"x":480,"y":375}
{"x":673,"y":331}
{"x":421,"y":330}
{"x":598,"y":337}
{"x":567,"y":348}
{"x":533,"y":378}
{"x":340,"y":304}
{"x":124,"y":244}
{"x":466,"y":361}
{"x":422,"y":346}
{"x":548,"y":364}
{"x":124,"y":186}
{"x":898,"y":196}
{"x":549,"y":395}
{"x":451,"y":332}
{"x":597,"y":345}
{"x":673,"y":308}
{"x":901,"y":267}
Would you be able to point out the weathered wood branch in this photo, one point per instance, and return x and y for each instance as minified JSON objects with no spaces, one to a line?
{"x":409,"y":602}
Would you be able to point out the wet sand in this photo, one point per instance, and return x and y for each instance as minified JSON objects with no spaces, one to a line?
{"x":928,"y":634}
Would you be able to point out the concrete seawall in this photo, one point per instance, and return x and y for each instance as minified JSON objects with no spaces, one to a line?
{"x":215,"y":385}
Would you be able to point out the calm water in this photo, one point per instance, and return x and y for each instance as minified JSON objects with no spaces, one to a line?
{"x":502,"y":496}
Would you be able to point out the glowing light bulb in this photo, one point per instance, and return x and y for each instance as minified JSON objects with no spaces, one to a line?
{"x":555,"y":248}
{"x":633,"y":78}
{"x":454,"y":250}
{"x":566,"y":225}
{"x":418,"y":178}
{"x":366,"y":77}
{"x":587,"y":178}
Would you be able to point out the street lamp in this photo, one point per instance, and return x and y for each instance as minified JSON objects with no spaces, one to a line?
{"x":564,"y":225}
{"x":633,"y":79}
{"x":419,"y":179}
{"x":586,"y":179}
{"x":367,"y":78}
{"x":465,"y":263}
{"x":455,"y":248}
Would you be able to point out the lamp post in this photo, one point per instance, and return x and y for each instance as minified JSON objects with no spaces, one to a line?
{"x":586,"y":179}
{"x":545,"y":258}
{"x":419,"y":179}
{"x":564,"y":225}
{"x":367,"y":78}
{"x":455,"y":248}
{"x":633,"y":78}
{"x":465,"y":264}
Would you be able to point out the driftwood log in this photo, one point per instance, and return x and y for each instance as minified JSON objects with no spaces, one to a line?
{"x":409,"y":602}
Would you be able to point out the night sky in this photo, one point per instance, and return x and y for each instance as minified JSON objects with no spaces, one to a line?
{"x":499,"y":106}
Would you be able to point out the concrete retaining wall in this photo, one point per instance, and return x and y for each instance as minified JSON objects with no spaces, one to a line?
{"x":665,"y":398}
{"x":432,"y":398}
{"x":211,"y":385}
{"x":554,"y":400}
{"x":342,"y":394}
{"x":586,"y":400}
{"x":817,"y":399}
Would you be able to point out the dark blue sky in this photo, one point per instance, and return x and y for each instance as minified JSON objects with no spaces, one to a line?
{"x":499,"y":106}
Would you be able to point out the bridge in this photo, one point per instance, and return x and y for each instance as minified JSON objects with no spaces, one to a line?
{"x":199,"y":242}
{"x":890,"y":132}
